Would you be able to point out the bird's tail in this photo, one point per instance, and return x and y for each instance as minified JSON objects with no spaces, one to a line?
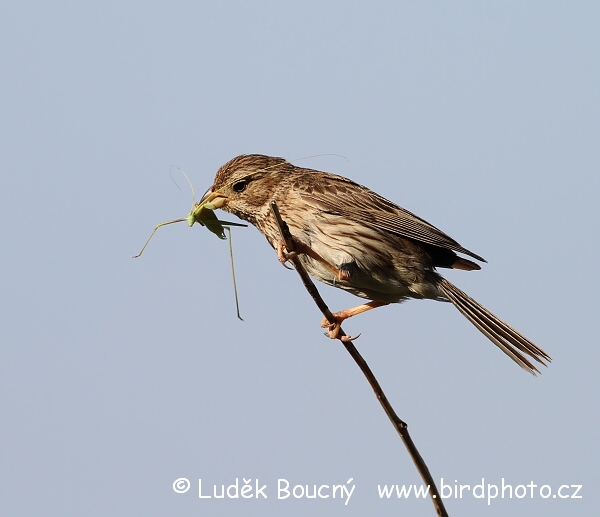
{"x":513,"y":344}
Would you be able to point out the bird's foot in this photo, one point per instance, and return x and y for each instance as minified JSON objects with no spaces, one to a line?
{"x":300,"y":248}
{"x":333,"y":329}
{"x":283,"y":255}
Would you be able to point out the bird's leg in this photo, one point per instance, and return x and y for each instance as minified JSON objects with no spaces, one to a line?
{"x":333,"y":328}
{"x":300,"y":248}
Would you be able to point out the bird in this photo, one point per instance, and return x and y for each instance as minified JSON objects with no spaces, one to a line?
{"x":348,"y":236}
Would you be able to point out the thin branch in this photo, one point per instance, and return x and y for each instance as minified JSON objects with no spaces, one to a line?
{"x":400,"y":426}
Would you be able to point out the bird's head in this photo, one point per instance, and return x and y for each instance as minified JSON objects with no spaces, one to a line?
{"x":245,"y":185}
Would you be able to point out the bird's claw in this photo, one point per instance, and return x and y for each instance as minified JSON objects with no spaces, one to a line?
{"x":283,"y":255}
{"x":283,"y":263}
{"x":333,"y":329}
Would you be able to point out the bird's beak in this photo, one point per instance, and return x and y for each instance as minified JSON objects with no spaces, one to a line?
{"x":213,"y":199}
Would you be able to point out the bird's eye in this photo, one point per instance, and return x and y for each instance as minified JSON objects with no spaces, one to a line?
{"x":240,"y":186}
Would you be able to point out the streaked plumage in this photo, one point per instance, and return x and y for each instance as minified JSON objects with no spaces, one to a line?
{"x":383,"y":252}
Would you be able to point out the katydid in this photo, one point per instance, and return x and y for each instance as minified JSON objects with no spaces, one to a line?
{"x":204,"y":215}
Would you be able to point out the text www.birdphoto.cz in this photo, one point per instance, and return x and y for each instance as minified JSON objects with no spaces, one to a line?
{"x":243,"y":488}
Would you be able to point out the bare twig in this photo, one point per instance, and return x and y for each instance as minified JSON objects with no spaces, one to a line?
{"x":400,"y":426}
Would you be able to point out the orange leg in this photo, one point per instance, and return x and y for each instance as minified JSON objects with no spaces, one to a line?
{"x":333,"y":329}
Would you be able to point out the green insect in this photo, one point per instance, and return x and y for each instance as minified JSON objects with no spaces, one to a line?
{"x":204,"y":215}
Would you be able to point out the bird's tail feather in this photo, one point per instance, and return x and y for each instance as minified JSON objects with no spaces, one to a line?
{"x":513,"y":344}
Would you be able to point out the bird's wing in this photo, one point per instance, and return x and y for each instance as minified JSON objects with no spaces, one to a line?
{"x":338,"y":196}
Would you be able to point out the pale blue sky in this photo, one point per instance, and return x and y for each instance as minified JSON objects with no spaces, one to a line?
{"x":118,"y":376}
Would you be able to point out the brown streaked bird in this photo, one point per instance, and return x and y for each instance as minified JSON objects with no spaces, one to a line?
{"x":348,"y":236}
